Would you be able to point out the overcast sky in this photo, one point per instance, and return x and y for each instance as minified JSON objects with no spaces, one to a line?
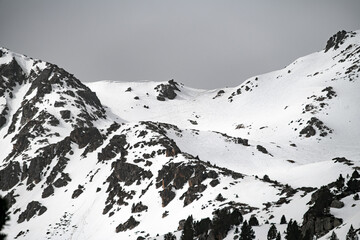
{"x":201,"y":43}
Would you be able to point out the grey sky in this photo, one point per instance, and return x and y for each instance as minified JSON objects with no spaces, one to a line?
{"x":201,"y":43}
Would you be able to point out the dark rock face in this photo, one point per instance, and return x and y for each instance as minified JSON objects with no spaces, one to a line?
{"x":37,"y":165}
{"x":310,"y":131}
{"x":13,"y":73}
{"x":116,"y":145}
{"x":32,"y":208}
{"x":62,"y":181}
{"x":127,"y":173}
{"x":65,"y":114}
{"x":167,"y":90}
{"x":128,"y":225}
{"x":77,"y":192}
{"x":48,"y":191}
{"x":261,"y":149}
{"x":336,"y":40}
{"x":317,"y":220}
{"x":139,"y":207}
{"x":85,"y":136}
{"x":167,"y":196}
{"x":10,"y":176}
{"x":192,"y":194}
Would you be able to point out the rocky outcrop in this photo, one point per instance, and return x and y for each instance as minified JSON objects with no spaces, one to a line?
{"x":317,"y":220}
{"x":336,"y":40}
{"x":139,"y":207}
{"x":32,"y":208}
{"x":309,"y":129}
{"x":10,"y":176}
{"x":167,"y":90}
{"x":128,"y":225}
{"x":127,"y":173}
{"x":116,"y":145}
{"x":85,"y":136}
{"x":166,"y":196}
{"x":262,"y":149}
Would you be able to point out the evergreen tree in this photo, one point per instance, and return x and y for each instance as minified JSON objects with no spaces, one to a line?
{"x":188,"y":232}
{"x":4,"y":216}
{"x":355,"y":174}
{"x":356,"y":197}
{"x":202,"y":226}
{"x":308,"y":235}
{"x":283,"y":220}
{"x":272,"y":232}
{"x":253,"y":221}
{"x":278,"y":236}
{"x":340,"y":182}
{"x":351,"y":235}
{"x":293,"y":232}
{"x":169,"y":236}
{"x":334,"y":236}
{"x":247,"y":233}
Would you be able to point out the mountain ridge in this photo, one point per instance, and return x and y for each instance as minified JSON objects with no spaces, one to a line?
{"x":162,"y":151}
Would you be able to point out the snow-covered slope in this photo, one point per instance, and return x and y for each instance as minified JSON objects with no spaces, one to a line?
{"x":132,"y":160}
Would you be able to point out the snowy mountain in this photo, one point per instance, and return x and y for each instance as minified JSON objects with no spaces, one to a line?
{"x":133,"y":160}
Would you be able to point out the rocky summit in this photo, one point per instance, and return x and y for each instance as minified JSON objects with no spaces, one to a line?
{"x":277,"y":156}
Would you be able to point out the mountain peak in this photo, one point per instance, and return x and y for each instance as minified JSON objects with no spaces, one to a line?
{"x":338,"y":39}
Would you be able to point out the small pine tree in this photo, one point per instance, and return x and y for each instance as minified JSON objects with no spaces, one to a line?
{"x":293,"y":232}
{"x":169,"y":236}
{"x":188,"y":232}
{"x":355,"y":174}
{"x":253,"y":221}
{"x":247,"y":233}
{"x":272,"y":232}
{"x":340,"y":182}
{"x":334,"y":236}
{"x":278,"y":236}
{"x":283,"y":220}
{"x":308,"y":235}
{"x":351,"y":235}
{"x":356,"y":197}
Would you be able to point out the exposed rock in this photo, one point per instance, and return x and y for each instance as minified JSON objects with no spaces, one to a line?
{"x":116,"y":145}
{"x":337,"y":204}
{"x":317,"y":220}
{"x":167,"y":90}
{"x":261,"y":149}
{"x":192,"y":194}
{"x":65,"y":114}
{"x":10,"y":176}
{"x":77,"y":193}
{"x":85,"y":136}
{"x":48,"y":191}
{"x":139,"y":207}
{"x":219,"y":94}
{"x":166,"y":196}
{"x":32,"y":208}
{"x":62,"y":181}
{"x":310,"y":131}
{"x":58,"y":169}
{"x":128,"y":225}
{"x":59,"y":104}
{"x":127,"y":173}
{"x":336,"y":40}
{"x":214,"y":182}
